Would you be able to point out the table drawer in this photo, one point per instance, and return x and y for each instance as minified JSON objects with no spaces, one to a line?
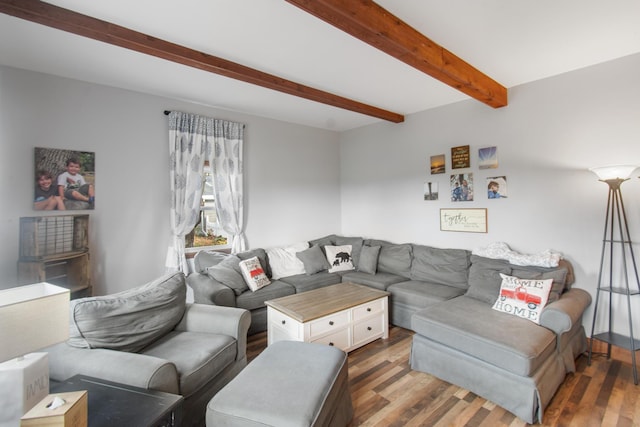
{"x":284,"y":322}
{"x":339,"y":339}
{"x":367,"y":329}
{"x":328,"y":323}
{"x":367,"y":309}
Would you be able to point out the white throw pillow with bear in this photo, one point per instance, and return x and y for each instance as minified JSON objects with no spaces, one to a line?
{"x":339,"y":258}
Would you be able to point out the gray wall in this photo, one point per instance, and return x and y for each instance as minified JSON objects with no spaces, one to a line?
{"x":291,"y":184}
{"x":551,"y":132}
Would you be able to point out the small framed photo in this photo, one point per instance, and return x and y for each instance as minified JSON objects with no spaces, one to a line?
{"x":497,"y":187}
{"x":488,"y":158}
{"x":431,"y":191}
{"x":461,"y":187}
{"x":437,"y":164}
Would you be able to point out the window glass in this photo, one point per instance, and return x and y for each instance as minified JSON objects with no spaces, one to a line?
{"x":207,"y":232}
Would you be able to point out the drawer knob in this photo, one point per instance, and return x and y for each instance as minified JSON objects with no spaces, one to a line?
{"x":368,"y":328}
{"x":331,"y":322}
{"x":368,"y":308}
{"x":284,"y":321}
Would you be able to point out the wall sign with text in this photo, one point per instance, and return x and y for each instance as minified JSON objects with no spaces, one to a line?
{"x":460,"y":157}
{"x":469,"y":220}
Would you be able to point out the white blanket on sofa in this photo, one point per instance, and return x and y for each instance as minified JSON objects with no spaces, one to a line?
{"x":500,"y":250}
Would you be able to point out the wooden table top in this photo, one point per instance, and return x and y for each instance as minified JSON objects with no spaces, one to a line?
{"x":320,"y":302}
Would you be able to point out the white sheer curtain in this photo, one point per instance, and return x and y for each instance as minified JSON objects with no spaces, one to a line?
{"x":227,"y":166}
{"x":192,"y":140}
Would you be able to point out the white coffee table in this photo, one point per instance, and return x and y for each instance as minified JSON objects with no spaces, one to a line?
{"x":345,"y":315}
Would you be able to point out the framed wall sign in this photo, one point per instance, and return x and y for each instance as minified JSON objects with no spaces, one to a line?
{"x":469,"y":220}
{"x":460,"y":157}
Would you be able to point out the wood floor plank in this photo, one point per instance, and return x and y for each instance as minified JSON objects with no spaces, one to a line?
{"x":386,"y":392}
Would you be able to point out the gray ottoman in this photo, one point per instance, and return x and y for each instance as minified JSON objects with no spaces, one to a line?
{"x":290,"y":384}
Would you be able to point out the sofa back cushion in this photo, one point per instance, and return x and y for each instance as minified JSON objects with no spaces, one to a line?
{"x":329,"y":240}
{"x":228,"y":273}
{"x":129,"y":320}
{"x":441,"y":266}
{"x":205,"y":259}
{"x":559,"y":276}
{"x":393,"y":258}
{"x":485,"y":280}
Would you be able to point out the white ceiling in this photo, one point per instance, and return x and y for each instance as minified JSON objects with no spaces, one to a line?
{"x":512,"y":41}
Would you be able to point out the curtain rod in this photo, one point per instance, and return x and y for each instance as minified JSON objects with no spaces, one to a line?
{"x":167,"y":112}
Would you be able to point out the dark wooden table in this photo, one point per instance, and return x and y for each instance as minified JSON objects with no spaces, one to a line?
{"x":112,"y":404}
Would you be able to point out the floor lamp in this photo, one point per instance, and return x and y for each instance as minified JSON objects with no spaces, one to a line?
{"x":616,"y":235}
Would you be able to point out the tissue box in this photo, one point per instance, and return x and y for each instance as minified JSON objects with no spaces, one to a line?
{"x":73,"y":413}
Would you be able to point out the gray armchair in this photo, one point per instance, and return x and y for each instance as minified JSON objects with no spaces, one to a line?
{"x":164,"y":343}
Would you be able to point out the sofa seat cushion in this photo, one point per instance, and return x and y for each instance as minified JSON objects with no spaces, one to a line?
{"x":379,"y":280}
{"x":473,"y":327}
{"x":198,"y":357}
{"x":303,"y":282}
{"x":415,"y":293}
{"x":251,"y":300}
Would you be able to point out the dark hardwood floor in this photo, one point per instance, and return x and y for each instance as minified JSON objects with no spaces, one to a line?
{"x":386,"y":392}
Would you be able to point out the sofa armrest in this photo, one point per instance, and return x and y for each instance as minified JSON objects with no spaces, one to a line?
{"x":562,"y":314}
{"x":214,"y":319}
{"x":137,"y":370}
{"x":209,"y":291}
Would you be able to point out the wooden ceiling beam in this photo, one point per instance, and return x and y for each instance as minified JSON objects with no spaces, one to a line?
{"x":86,"y":26}
{"x":376,"y":26}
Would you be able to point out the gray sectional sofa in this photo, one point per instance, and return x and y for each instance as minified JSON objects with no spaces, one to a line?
{"x":446,"y":296}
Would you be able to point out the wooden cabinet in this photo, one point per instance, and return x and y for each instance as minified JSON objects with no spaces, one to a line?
{"x":55,"y":249}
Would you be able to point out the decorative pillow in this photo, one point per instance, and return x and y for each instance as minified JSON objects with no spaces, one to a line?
{"x":339,"y":257}
{"x":369,"y":259}
{"x":284,"y":262}
{"x":254,"y":274}
{"x":558,"y":275}
{"x":356,"y":247}
{"x":262,"y":256}
{"x":523,"y":298}
{"x":313,"y":259}
{"x":229,"y":274}
{"x":129,"y":320}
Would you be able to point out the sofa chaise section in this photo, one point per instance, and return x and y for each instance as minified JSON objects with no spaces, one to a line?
{"x":514,"y":362}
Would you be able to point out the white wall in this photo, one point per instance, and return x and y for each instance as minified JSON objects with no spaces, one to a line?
{"x":303,"y":183}
{"x":551,"y":132}
{"x":291,"y":184}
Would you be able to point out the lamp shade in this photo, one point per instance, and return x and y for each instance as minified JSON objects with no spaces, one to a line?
{"x":605,"y":173}
{"x":32,"y":317}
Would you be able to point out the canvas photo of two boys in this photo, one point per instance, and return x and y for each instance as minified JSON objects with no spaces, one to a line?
{"x":64,"y":179}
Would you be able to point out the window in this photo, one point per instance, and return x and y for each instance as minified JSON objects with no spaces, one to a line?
{"x":207,"y":232}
